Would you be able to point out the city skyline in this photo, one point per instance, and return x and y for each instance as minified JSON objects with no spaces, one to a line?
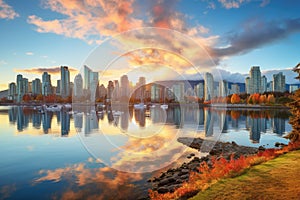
{"x":35,"y":43}
{"x":87,"y":87}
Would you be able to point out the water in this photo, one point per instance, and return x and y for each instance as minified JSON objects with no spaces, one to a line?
{"x":110,"y":155}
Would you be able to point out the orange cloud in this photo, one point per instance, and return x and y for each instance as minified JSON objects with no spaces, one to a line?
{"x":40,"y":70}
{"x":6,"y":11}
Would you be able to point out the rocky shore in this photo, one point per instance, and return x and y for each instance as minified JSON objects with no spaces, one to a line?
{"x":173,"y":178}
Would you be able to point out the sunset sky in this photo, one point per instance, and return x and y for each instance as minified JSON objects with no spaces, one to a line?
{"x":41,"y":35}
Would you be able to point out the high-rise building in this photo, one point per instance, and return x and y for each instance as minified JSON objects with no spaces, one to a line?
{"x":223,"y":88}
{"x":12,"y":91}
{"x":110,"y":90}
{"x":279,"y":82}
{"x":270,"y":86}
{"x":125,"y":90}
{"x":199,"y":90}
{"x":86,"y":73}
{"x":263,"y":84}
{"x":102,"y":92}
{"x":20,"y":88}
{"x":248,"y":85}
{"x":64,"y":81}
{"x":156,"y":93}
{"x":178,"y":91}
{"x":255,"y":80}
{"x":78,"y":86}
{"x":46,"y":84}
{"x":36,"y":86}
{"x":293,"y":88}
{"x":209,"y":86}
{"x":116,"y":93}
{"x":235,"y":89}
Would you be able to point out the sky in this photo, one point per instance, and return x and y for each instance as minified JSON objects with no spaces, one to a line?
{"x":231,"y":35}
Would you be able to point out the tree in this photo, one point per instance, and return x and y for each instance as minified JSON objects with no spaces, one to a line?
{"x":271,"y":99}
{"x":294,"y":135}
{"x":235,"y":98}
{"x":262,"y":99}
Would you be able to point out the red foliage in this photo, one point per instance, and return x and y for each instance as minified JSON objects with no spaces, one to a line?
{"x":222,"y":168}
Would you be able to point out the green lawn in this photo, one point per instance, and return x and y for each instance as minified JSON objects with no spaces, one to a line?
{"x":276,"y":179}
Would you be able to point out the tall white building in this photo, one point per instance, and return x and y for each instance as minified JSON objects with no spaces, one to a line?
{"x":255,"y":80}
{"x":279,"y":82}
{"x":248,"y":85}
{"x":78,"y":86}
{"x":209,"y":86}
{"x":178,"y":91}
{"x":125,"y":90}
{"x":263,"y":84}
{"x":199,"y":90}
{"x":223,"y":88}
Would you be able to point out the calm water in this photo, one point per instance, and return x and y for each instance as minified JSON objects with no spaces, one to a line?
{"x":110,"y":155}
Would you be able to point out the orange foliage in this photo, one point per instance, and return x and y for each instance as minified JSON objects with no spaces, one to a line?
{"x":271,"y":99}
{"x":235,"y":98}
{"x":221,"y":168}
{"x":262,"y":99}
{"x":235,"y":114}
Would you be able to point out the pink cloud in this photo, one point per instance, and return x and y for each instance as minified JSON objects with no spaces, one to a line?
{"x":6,"y":11}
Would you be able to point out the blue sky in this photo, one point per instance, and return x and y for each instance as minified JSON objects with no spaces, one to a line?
{"x":37,"y":35}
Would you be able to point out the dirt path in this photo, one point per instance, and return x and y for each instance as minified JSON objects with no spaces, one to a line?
{"x":276,"y":179}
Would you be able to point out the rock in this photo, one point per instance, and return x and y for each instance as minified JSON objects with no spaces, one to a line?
{"x":189,"y":156}
{"x":261,"y":148}
{"x":162,"y":190}
{"x":166,"y":181}
{"x":233,"y":143}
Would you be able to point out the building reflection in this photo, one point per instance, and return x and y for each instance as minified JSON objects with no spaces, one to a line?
{"x":207,"y":120}
{"x":65,"y":123}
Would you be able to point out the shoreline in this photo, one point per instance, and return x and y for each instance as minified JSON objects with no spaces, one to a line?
{"x":215,"y":106}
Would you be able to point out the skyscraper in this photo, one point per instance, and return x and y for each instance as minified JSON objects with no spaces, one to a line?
{"x":12,"y":90}
{"x":46,"y":84}
{"x":263,"y":84}
{"x":36,"y":87}
{"x":86,"y":74}
{"x":255,"y":80}
{"x":20,"y":88}
{"x":64,"y":81}
{"x":116,"y":93}
{"x":235,"y":89}
{"x":178,"y":91}
{"x":124,"y":86}
{"x":78,"y":86}
{"x":223,"y":88}
{"x":209,"y":86}
{"x":279,"y":82}
{"x":248,"y":85}
{"x":199,"y":90}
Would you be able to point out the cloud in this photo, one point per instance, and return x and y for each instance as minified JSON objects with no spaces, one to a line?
{"x":6,"y":11}
{"x":255,"y":34}
{"x":29,"y":53}
{"x":264,"y":3}
{"x":40,"y":70}
{"x":3,"y":62}
{"x":90,"y":21}
{"x":228,"y":4}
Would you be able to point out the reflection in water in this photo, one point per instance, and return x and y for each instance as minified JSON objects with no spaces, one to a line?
{"x":256,"y":122}
{"x":91,"y":179}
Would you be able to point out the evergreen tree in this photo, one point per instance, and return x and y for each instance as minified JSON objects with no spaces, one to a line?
{"x":294,"y":135}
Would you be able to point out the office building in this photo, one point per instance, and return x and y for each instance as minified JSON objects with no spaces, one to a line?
{"x":209,"y":86}
{"x":255,"y":80}
{"x":279,"y":82}
{"x":78,"y":86}
{"x":223,"y":88}
{"x":12,"y":91}
{"x":36,"y":86}
{"x":46,"y":84}
{"x":64,"y":82}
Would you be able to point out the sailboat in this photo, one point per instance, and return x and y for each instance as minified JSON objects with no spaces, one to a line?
{"x":140,"y":106}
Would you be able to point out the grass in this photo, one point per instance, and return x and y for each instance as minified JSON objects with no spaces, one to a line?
{"x":278,"y":178}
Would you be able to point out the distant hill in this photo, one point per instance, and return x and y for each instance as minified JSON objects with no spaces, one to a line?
{"x":3,"y":93}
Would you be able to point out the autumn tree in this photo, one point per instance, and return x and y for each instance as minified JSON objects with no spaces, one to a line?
{"x":271,"y":99}
{"x":235,"y":98}
{"x":294,"y":135}
{"x":262,"y":99}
